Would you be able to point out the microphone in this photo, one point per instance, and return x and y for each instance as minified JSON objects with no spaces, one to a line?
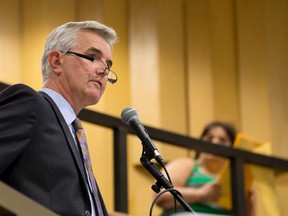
{"x":130,"y":117}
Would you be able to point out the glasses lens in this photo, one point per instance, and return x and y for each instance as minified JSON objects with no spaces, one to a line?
{"x":112,"y":77}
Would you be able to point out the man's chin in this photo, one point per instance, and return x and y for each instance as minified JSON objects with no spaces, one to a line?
{"x":94,"y":96}
{"x":93,"y":100}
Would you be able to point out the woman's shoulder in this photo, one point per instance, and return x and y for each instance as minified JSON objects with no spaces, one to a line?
{"x":182,"y":163}
{"x":186,"y":161}
{"x":180,"y":170}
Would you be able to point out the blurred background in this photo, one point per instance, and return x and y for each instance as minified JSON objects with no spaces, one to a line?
{"x":181,"y":64}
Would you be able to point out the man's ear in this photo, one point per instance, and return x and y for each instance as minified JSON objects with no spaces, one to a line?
{"x":54,"y":59}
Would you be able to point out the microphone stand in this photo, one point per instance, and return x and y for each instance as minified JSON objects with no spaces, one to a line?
{"x":161,"y":181}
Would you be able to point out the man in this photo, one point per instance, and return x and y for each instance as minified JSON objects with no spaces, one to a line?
{"x":40,"y":153}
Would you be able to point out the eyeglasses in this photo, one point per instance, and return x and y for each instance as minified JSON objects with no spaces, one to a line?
{"x":111,"y":75}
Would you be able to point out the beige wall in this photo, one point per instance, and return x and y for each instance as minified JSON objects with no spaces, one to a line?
{"x":180,"y":63}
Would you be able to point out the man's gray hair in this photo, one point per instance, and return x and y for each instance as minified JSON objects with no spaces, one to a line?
{"x":63,"y":38}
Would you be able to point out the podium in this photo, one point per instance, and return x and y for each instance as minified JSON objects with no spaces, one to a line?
{"x":13,"y":203}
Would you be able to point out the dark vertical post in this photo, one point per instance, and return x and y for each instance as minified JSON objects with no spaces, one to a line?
{"x":120,"y":170}
{"x":238,"y":186}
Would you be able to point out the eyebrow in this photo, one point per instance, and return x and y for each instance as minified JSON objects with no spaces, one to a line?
{"x":109,"y":62}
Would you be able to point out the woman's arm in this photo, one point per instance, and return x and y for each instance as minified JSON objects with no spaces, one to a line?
{"x":179,"y":171}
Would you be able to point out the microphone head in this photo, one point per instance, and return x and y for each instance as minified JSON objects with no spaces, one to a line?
{"x":128,"y":114}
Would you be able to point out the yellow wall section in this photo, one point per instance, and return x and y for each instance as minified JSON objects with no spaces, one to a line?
{"x":38,"y":19}
{"x":10,"y":44}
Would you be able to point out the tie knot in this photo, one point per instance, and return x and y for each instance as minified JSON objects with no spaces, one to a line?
{"x":77,"y":124}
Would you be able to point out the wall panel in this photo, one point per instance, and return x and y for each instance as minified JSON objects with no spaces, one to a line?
{"x":201,"y":104}
{"x":144,"y":67}
{"x":10,"y":35}
{"x":224,"y":61}
{"x":253,"y":80}
{"x":39,"y":18}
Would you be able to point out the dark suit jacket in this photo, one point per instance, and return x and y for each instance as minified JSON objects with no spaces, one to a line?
{"x":38,"y":155}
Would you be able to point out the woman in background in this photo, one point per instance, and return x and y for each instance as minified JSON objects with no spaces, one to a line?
{"x":196,"y":178}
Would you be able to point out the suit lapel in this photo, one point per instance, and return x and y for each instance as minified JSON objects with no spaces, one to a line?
{"x":72,"y":145}
{"x":68,"y":135}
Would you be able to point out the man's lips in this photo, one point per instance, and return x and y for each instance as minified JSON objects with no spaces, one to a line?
{"x":97,"y":81}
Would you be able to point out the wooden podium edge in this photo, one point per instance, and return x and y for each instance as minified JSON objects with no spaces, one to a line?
{"x":13,"y":203}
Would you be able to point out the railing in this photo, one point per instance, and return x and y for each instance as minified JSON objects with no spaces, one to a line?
{"x":120,"y":132}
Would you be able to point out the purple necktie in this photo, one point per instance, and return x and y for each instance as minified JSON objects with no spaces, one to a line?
{"x":87,"y":162}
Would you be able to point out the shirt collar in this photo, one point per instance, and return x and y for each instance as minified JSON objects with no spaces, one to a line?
{"x":63,"y":105}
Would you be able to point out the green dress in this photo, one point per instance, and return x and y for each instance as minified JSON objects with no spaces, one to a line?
{"x":196,"y":180}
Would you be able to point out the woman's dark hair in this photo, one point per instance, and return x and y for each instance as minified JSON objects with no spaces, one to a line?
{"x":229,"y":129}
